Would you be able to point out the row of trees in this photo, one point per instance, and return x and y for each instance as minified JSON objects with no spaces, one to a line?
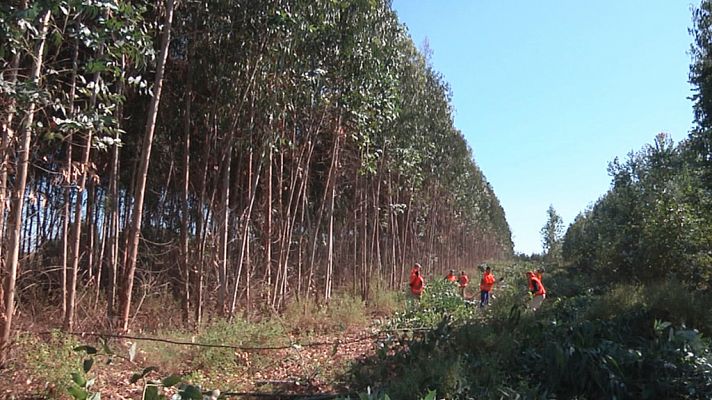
{"x":656,"y":220}
{"x":246,"y":153}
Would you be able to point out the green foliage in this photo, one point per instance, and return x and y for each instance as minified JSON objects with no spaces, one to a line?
{"x":653,"y":223}
{"x":51,"y":361}
{"x":384,"y":302}
{"x":628,"y":342}
{"x":551,"y":234}
{"x":239,"y":333}
{"x":440,"y":299}
{"x":346,"y":310}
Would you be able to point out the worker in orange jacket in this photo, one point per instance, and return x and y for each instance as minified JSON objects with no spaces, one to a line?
{"x":463,"y":280}
{"x":417,"y":284}
{"x":451,"y":277}
{"x":416,"y":268}
{"x":537,"y":290}
{"x":486,"y":285}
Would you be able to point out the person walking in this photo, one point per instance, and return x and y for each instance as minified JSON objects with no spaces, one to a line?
{"x":417,"y":284}
{"x":486,"y":285}
{"x":538,"y":291}
{"x":416,"y":268}
{"x":451,"y":277}
{"x":463,"y":280}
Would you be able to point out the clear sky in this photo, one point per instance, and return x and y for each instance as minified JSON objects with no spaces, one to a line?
{"x":549,"y":92}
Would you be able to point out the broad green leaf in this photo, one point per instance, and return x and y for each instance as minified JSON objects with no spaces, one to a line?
{"x":87,"y":364}
{"x":79,"y":379}
{"x":77,"y":393}
{"x":87,"y":349}
{"x":191,"y":392}
{"x":172,"y":380}
{"x":139,"y":375}
{"x":135,"y":377}
{"x":150,"y":393}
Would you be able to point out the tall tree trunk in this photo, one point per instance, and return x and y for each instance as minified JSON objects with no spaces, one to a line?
{"x":91,"y":227}
{"x":184,"y":256}
{"x":268,"y":222}
{"x":224,"y":239}
{"x":201,"y":222}
{"x":5,"y":152}
{"x":245,"y":218}
{"x":137,"y":213}
{"x":78,"y":206}
{"x":114,"y":211}
{"x":329,"y":182}
{"x":14,"y":222}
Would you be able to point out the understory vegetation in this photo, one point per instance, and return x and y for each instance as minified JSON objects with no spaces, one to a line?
{"x":626,"y":341}
{"x":623,"y":341}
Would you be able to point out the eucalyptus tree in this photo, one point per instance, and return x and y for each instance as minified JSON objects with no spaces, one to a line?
{"x":140,"y":189}
{"x":551,"y":234}
{"x":37,"y":37}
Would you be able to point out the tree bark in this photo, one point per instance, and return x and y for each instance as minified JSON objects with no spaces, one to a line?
{"x":77,"y":231}
{"x":14,"y":222}
{"x":5,"y":146}
{"x":185,"y":257}
{"x":137,"y":213}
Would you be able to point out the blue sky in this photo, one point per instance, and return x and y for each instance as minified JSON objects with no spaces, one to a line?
{"x":549,"y":92}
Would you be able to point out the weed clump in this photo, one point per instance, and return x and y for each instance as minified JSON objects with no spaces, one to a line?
{"x":47,"y":361}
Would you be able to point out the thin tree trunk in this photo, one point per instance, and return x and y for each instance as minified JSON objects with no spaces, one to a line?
{"x":5,"y":152}
{"x":224,"y":232}
{"x":268,"y":223}
{"x":114,"y":211}
{"x":14,"y":222}
{"x":185,"y":266}
{"x":246,"y":216}
{"x":77,"y":231}
{"x":329,"y":183}
{"x":137,"y":214}
{"x":91,"y":228}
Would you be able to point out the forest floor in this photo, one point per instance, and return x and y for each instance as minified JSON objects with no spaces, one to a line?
{"x":307,"y":363}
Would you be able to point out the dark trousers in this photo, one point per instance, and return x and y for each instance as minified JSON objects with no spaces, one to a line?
{"x":484,"y":298}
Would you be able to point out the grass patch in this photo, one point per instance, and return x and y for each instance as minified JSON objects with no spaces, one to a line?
{"x":48,"y":362}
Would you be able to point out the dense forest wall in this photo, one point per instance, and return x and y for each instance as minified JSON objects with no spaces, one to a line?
{"x":296,"y":146}
{"x":655,"y":222}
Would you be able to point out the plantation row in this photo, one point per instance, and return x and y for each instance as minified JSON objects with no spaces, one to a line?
{"x":237,"y":154}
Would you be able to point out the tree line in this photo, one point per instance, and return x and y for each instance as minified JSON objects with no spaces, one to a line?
{"x":655,"y":222}
{"x":244,"y":153}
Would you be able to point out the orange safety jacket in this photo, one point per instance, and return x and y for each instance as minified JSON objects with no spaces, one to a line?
{"x":487,"y":282}
{"x":537,"y":287}
{"x":451,"y":278}
{"x":412,"y":274}
{"x":463,"y":280}
{"x":530,"y":275}
{"x":416,"y":285}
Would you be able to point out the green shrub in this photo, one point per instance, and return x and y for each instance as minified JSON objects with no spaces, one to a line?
{"x":304,"y":316}
{"x":613,"y":343}
{"x":50,"y":361}
{"x":384,"y":302}
{"x":239,"y":333}
{"x":346,"y":310}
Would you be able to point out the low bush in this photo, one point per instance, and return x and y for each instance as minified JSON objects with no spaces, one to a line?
{"x":49,"y":362}
{"x":627,"y":342}
{"x":346,"y":310}
{"x":239,"y":333}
